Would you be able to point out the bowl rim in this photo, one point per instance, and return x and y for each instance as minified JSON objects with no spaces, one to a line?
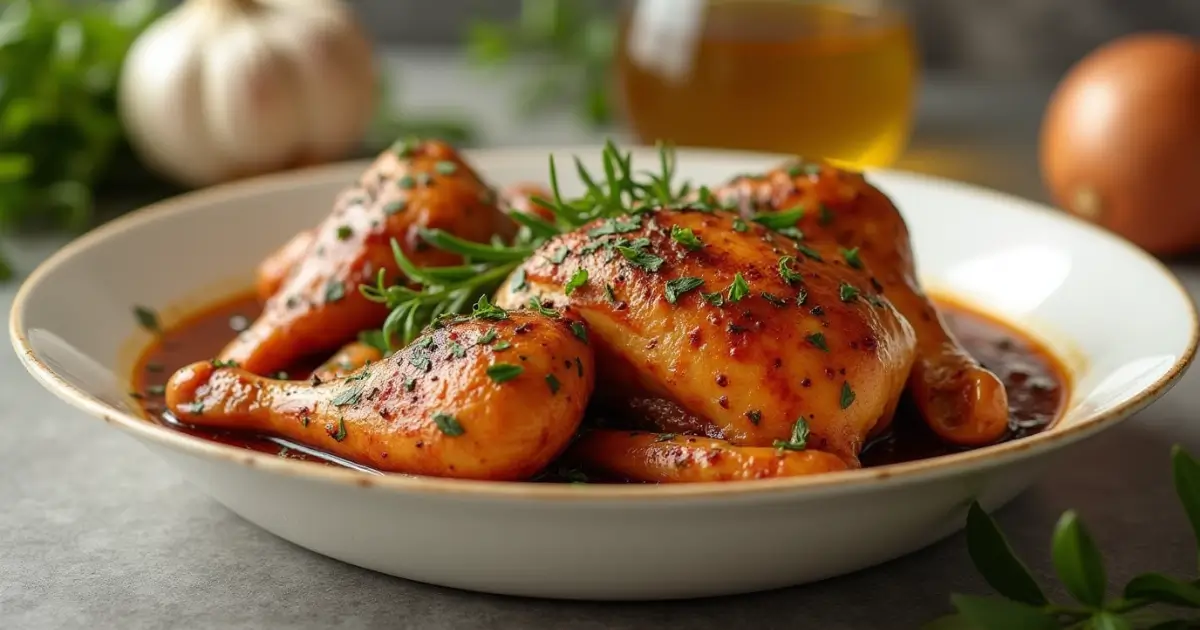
{"x":842,"y":482}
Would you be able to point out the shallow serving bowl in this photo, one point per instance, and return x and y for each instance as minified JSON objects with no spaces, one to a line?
{"x":1122,"y":325}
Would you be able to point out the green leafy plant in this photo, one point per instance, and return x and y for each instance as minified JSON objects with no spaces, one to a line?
{"x":1150,"y":600}
{"x":577,"y":35}
{"x":434,"y":292}
{"x":60,"y":135}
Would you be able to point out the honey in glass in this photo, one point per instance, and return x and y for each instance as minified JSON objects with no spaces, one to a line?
{"x":819,"y":78}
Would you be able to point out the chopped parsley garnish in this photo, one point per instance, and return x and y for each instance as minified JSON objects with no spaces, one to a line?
{"x":349,"y":396}
{"x":424,"y":179}
{"x":504,"y":372}
{"x":847,"y":292}
{"x":779,"y":220}
{"x":410,"y":384}
{"x":559,"y":255}
{"x":608,"y":293}
{"x":580,"y":331}
{"x":578,"y":279}
{"x":335,"y":291}
{"x":875,"y":301}
{"x":824,"y":215}
{"x":518,"y":279}
{"x":620,"y":225}
{"x":155,"y":367}
{"x":403,"y":148}
{"x":552,"y":381}
{"x":344,"y":232}
{"x":395,"y":207}
{"x":218,"y":363}
{"x":798,"y":441}
{"x":445,"y":167}
{"x":755,"y":416}
{"x":774,"y":299}
{"x":679,"y":286}
{"x":786,"y":272}
{"x":502,"y":345}
{"x":739,"y":225}
{"x":448,"y":424}
{"x":847,"y":397}
{"x":457,"y":350}
{"x":639,"y":258}
{"x":537,"y":306}
{"x":792,"y":233}
{"x":738,"y":289}
{"x":808,"y":251}
{"x":484,"y":309}
{"x":147,"y":319}
{"x":340,"y":433}
{"x":486,"y":338}
{"x":406,"y":182}
{"x":664,"y":437}
{"x":715,"y":298}
{"x":155,"y":390}
{"x":852,"y":259}
{"x":802,"y":297}
{"x":686,"y":237}
{"x":817,"y":340}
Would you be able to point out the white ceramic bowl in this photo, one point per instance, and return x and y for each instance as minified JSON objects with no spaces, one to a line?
{"x":1118,"y":318}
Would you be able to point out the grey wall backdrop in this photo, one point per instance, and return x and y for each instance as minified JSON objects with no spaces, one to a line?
{"x":1035,"y":38}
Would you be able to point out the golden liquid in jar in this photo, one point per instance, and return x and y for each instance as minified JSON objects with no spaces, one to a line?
{"x":816,"y":80}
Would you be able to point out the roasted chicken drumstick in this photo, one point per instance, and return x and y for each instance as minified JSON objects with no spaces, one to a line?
{"x":495,"y":397}
{"x":962,"y":402}
{"x":750,"y":332}
{"x":318,"y":307}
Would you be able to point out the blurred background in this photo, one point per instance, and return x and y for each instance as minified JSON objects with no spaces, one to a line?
{"x":93,"y":124}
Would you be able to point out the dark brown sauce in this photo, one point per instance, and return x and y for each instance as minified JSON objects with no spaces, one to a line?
{"x":1036,"y":383}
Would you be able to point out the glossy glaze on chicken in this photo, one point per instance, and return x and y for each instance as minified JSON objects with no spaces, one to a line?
{"x":768,"y":328}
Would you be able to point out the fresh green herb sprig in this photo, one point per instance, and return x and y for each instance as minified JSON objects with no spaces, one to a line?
{"x":1150,"y":600}
{"x":436,"y":292}
{"x":60,"y":134}
{"x":577,"y":35}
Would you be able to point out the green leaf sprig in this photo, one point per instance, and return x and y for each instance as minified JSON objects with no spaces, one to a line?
{"x":60,"y":134}
{"x":1151,"y":600}
{"x":577,"y":34}
{"x":433,"y":293}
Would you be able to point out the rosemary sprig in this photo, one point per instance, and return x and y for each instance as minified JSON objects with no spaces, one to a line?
{"x":431,"y":293}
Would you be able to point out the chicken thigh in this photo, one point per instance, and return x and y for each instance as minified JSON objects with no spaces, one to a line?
{"x":961,"y":401}
{"x":318,"y":307}
{"x":754,"y":335}
{"x":495,"y":397}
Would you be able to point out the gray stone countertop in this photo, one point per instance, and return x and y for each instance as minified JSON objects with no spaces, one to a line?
{"x":97,"y":533}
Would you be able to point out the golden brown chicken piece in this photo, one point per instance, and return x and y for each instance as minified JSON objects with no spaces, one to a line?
{"x":318,"y":306}
{"x":275,"y":268}
{"x":672,"y":458}
{"x":480,"y":398}
{"x":346,"y":360}
{"x":961,"y":401}
{"x":746,"y":330}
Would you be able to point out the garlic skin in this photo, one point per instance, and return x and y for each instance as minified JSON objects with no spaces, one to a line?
{"x":221,"y":89}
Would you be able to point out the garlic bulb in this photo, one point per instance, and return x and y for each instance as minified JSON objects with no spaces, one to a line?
{"x":218,"y":89}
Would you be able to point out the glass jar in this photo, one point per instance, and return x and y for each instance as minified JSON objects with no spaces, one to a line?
{"x":819,"y":78}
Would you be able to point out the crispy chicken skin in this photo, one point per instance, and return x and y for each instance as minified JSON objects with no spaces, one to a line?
{"x":671,"y":458}
{"x":818,"y":346}
{"x":318,"y":306}
{"x":960,"y":400}
{"x":275,"y":268}
{"x":430,"y":409}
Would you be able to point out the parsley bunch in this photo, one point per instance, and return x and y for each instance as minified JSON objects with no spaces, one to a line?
{"x":1024,"y":606}
{"x":435,"y":292}
{"x":60,"y":135}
